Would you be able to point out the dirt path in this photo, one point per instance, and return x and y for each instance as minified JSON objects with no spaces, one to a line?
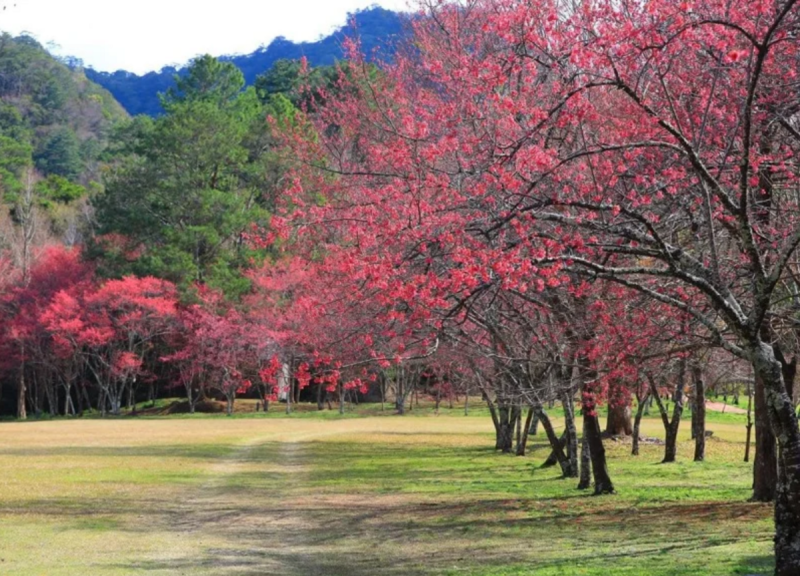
{"x":246,"y":517}
{"x":727,"y":408}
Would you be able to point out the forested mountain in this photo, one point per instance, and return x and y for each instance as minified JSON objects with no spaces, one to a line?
{"x":54,"y":128}
{"x":376,"y":28}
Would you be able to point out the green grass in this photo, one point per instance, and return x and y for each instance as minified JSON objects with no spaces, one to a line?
{"x":363,"y":495}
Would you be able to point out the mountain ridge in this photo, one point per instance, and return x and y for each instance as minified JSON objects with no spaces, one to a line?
{"x":376,"y":28}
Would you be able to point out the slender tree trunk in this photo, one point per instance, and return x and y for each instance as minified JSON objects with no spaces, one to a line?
{"x":597,"y":454}
{"x":749,"y":425}
{"x":523,"y":446}
{"x":586,"y":462}
{"x":571,"y":432}
{"x":637,"y":423}
{"x":400,"y":394}
{"x":341,"y":399}
{"x":22,"y":412}
{"x":699,"y":414}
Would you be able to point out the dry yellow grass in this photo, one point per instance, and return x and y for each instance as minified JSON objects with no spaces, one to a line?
{"x":356,"y":497}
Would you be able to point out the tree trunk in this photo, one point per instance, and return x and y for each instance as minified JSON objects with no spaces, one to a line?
{"x":556,"y":444}
{"x":597,"y":454}
{"x":504,"y":428}
{"x":22,"y":412}
{"x":571,"y":432}
{"x":782,"y":418}
{"x":637,"y":423}
{"x":619,"y":422}
{"x":534,"y":430}
{"x":671,"y":447}
{"x":749,"y":425}
{"x":699,"y":414}
{"x":523,"y":446}
{"x":765,"y":463}
{"x":586,"y":462}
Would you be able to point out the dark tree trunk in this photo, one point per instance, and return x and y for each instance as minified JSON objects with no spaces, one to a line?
{"x":22,"y":412}
{"x":586,"y":462}
{"x":571,"y":433}
{"x":637,"y":422}
{"x":782,"y":417}
{"x":671,"y":447}
{"x":699,"y":414}
{"x":765,"y":463}
{"x":523,"y":446}
{"x":552,"y":459}
{"x":505,"y":427}
{"x":749,"y":425}
{"x":670,"y":427}
{"x":597,"y":454}
{"x":534,"y":429}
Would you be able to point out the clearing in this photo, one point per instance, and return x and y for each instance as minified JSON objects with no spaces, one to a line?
{"x":377,"y":495}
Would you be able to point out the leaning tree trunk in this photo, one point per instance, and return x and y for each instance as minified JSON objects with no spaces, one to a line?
{"x":556,"y":444}
{"x":699,"y":414}
{"x":586,"y":462}
{"x":552,"y":459}
{"x":784,"y":424}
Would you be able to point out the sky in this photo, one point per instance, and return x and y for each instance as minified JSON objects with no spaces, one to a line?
{"x":146,"y":35}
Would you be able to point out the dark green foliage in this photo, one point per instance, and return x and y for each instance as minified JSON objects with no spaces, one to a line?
{"x":190,"y":184}
{"x":377,"y":28}
{"x":60,"y":154}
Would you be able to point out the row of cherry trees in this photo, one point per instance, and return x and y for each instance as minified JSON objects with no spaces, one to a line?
{"x":565,"y":194}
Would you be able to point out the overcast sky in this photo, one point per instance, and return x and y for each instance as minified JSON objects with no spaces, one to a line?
{"x":145,"y":35}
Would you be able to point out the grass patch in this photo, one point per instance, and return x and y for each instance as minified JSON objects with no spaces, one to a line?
{"x":363,"y":495}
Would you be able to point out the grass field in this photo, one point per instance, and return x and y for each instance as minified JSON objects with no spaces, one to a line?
{"x":314,"y":494}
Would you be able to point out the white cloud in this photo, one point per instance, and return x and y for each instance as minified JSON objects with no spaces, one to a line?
{"x":148,"y":34}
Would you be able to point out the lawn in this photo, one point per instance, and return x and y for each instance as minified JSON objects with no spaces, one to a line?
{"x":315,"y":494}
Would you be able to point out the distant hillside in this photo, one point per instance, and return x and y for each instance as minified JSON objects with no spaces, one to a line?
{"x":377,"y":28}
{"x":52,"y":118}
